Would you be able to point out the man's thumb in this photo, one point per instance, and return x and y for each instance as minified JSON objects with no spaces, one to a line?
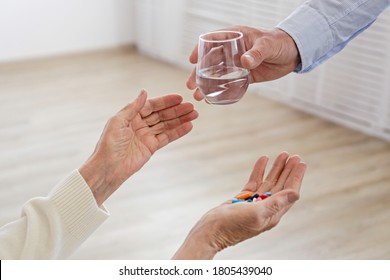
{"x":255,"y":56}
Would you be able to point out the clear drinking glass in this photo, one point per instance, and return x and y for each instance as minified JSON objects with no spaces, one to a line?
{"x":219,"y":74}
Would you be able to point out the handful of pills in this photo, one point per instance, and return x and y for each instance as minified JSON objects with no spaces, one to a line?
{"x":248,"y":197}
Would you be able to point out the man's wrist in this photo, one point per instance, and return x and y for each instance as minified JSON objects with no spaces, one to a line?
{"x":291,"y":48}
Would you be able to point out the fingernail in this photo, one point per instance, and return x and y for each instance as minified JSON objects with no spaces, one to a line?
{"x":249,"y":58}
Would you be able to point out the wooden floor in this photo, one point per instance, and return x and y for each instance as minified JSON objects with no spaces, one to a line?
{"x":52,"y":112}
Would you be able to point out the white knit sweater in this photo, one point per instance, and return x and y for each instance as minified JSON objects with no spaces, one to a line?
{"x":53,"y":227}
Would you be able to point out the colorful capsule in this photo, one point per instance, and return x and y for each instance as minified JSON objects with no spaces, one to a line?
{"x":244,"y":196}
{"x":263,"y":196}
{"x":248,"y":197}
{"x":238,"y":200}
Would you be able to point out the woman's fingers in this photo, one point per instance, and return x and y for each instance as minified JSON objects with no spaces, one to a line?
{"x":160,"y":103}
{"x":290,"y":165}
{"x":171,"y":113}
{"x":285,"y":170}
{"x":256,"y":177}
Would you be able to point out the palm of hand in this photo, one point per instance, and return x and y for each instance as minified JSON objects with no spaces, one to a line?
{"x":134,"y":144}
{"x":131,"y":137}
{"x":136,"y":132}
{"x":234,"y":223}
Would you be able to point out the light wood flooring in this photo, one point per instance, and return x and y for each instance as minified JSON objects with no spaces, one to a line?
{"x":53,"y":110}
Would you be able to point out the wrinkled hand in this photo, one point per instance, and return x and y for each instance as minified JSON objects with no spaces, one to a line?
{"x":230,"y":224}
{"x":271,"y":55}
{"x":131,"y":137}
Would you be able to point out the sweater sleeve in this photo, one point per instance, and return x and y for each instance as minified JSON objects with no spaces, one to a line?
{"x":53,"y":227}
{"x":321,"y":29}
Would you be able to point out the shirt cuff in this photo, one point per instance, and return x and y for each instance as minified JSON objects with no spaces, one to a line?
{"x":313,"y":37}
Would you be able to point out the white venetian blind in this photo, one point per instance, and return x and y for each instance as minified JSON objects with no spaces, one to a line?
{"x":352,"y":88}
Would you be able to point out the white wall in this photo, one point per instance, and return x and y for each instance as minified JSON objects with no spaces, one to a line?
{"x":159,"y":28}
{"x":36,"y":28}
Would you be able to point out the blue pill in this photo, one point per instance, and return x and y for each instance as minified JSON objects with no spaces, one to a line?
{"x":268,"y":193}
{"x":238,"y":200}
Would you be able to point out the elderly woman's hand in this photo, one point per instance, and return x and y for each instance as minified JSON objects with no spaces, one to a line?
{"x":231,"y":223}
{"x":132,"y":136}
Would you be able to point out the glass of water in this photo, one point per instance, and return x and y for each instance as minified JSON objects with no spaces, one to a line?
{"x":219,"y":74}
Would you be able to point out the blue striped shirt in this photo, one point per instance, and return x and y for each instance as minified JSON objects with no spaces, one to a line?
{"x":322,"y":28}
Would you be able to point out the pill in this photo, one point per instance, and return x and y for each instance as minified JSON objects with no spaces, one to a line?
{"x":238,"y":200}
{"x":268,"y":193}
{"x":244,"y":196}
{"x":254,"y":199}
{"x":263,"y":196}
{"x":256,"y":195}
